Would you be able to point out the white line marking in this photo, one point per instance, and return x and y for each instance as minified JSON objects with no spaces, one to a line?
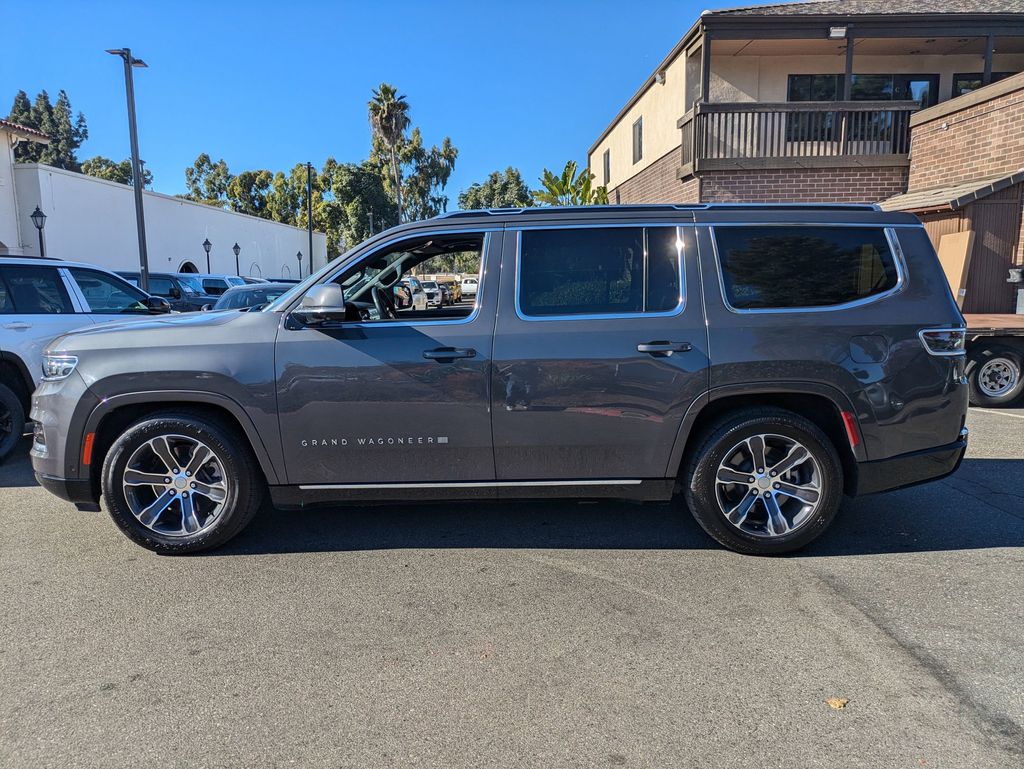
{"x":995,"y":412}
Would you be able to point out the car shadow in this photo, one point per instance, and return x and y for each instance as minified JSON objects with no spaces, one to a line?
{"x":981,"y":506}
{"x":16,"y":470}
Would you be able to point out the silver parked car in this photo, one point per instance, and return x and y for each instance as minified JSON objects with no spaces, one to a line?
{"x":41,"y":299}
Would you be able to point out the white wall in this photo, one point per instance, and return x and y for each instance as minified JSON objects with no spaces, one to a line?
{"x":10,"y":237}
{"x":92,"y":220}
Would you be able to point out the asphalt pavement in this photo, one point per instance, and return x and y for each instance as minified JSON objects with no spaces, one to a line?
{"x":524,"y":635}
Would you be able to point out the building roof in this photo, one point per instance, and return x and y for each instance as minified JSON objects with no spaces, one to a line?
{"x":951,"y":196}
{"x":24,"y":132}
{"x":874,"y":8}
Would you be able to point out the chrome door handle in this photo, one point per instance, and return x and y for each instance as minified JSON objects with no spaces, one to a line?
{"x":17,"y":326}
{"x":449,"y":353}
{"x":664,"y":348}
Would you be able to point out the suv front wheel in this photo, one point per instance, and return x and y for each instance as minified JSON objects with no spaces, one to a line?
{"x":764,"y":481}
{"x":180,"y":483}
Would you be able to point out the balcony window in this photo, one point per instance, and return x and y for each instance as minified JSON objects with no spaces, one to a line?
{"x":607,"y":161}
{"x":965,"y":82}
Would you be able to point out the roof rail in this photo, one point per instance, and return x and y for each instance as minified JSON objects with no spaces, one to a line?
{"x":663,"y":207}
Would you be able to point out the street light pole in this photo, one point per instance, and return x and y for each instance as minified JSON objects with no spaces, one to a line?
{"x":298,"y":258}
{"x":237,"y":249}
{"x":309,"y":211}
{"x":207,"y":245}
{"x":133,"y":131}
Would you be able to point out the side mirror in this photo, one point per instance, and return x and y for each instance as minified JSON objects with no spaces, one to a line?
{"x":157,"y":305}
{"x":321,"y":303}
{"x":207,"y":307}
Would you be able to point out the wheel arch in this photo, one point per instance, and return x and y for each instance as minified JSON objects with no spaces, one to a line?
{"x":114,"y":414}
{"x":14,"y":373}
{"x":821,"y":404}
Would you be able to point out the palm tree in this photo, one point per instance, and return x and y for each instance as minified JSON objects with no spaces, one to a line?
{"x":570,"y":189}
{"x":389,"y":119}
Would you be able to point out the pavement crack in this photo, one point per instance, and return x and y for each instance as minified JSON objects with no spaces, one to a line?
{"x":1002,"y":732}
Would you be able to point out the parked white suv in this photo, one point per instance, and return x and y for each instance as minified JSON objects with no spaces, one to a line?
{"x":40,"y":299}
{"x":469,"y":286}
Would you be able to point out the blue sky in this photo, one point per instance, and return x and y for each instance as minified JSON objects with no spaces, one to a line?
{"x":271,"y":84}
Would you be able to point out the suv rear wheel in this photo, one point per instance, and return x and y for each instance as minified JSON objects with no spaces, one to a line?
{"x":764,"y":481}
{"x":180,"y":483}
{"x":12,"y":420}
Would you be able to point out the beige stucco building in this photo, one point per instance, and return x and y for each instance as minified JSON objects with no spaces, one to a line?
{"x":801,"y":101}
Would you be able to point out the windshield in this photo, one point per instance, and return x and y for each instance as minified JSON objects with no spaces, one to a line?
{"x":238,"y":298}
{"x":429,"y":284}
{"x":191,"y":283}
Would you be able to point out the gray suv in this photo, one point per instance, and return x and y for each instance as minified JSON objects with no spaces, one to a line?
{"x":759,"y":361}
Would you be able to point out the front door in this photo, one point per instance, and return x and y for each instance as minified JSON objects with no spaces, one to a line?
{"x":600,"y":349}
{"x":395,"y":395}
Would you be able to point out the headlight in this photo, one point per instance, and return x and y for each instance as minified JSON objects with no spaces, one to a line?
{"x":57,"y":367}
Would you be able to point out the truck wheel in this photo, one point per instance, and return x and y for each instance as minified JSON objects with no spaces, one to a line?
{"x":12,"y":421}
{"x":994,"y":376}
{"x":180,"y":483}
{"x":764,"y":481}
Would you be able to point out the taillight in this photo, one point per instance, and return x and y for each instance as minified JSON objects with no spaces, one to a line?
{"x":943,"y":341}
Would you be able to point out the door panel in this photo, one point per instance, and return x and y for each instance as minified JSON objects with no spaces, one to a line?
{"x":574,"y":397}
{"x":390,"y":402}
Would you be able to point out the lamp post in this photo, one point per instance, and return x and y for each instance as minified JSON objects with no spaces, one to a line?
{"x":39,"y":220}
{"x":298,"y":256}
{"x":140,"y":219}
{"x":207,"y":245}
{"x":237,"y":249}
{"x":309,"y":212}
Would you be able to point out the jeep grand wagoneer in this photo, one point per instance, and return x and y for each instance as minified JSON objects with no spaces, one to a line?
{"x":757,"y":361}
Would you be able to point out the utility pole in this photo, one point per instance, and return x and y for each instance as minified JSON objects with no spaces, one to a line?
{"x":137,"y":182}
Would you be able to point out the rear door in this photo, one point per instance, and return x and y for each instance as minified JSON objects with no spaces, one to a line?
{"x":599,"y":350}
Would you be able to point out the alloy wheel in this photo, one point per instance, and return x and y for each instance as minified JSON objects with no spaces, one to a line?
{"x":175,"y":485}
{"x":769,"y":485}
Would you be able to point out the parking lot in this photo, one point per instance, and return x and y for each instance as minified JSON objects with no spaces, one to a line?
{"x":540,"y":634}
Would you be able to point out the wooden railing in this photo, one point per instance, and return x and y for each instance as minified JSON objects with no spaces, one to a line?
{"x":761,"y":135}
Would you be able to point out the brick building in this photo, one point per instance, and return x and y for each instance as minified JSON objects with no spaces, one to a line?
{"x":967,"y":173}
{"x":806,"y":101}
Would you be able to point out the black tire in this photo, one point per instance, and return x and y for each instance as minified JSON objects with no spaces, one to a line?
{"x":12,"y":421}
{"x":702,"y":489}
{"x":987,"y":362}
{"x":243,"y":497}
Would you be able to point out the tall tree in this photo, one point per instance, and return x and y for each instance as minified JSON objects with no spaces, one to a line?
{"x":247,"y":193}
{"x":502,"y":189}
{"x":207,"y":181}
{"x":389,"y":119}
{"x":56,"y":120}
{"x":569,"y":189}
{"x":357,"y":205}
{"x":112,"y":171}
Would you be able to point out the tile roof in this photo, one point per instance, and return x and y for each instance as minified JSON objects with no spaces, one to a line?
{"x":952,"y":196}
{"x":24,"y":131}
{"x":875,"y":7}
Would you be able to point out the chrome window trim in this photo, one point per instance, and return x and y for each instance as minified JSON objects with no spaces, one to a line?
{"x":475,"y":484}
{"x":328,"y":276}
{"x":890,"y":236}
{"x":677,"y":310}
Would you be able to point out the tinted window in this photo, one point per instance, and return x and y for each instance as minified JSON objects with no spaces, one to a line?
{"x":160,"y":287}
{"x":638,"y":140}
{"x":214,"y":286}
{"x":37,"y":291}
{"x":784,"y":267}
{"x":599,"y":271}
{"x":106,"y":294}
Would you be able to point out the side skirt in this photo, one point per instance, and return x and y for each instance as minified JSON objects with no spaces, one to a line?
{"x":636,"y":489}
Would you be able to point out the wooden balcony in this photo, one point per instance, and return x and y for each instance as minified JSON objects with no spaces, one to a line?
{"x":752,"y":135}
